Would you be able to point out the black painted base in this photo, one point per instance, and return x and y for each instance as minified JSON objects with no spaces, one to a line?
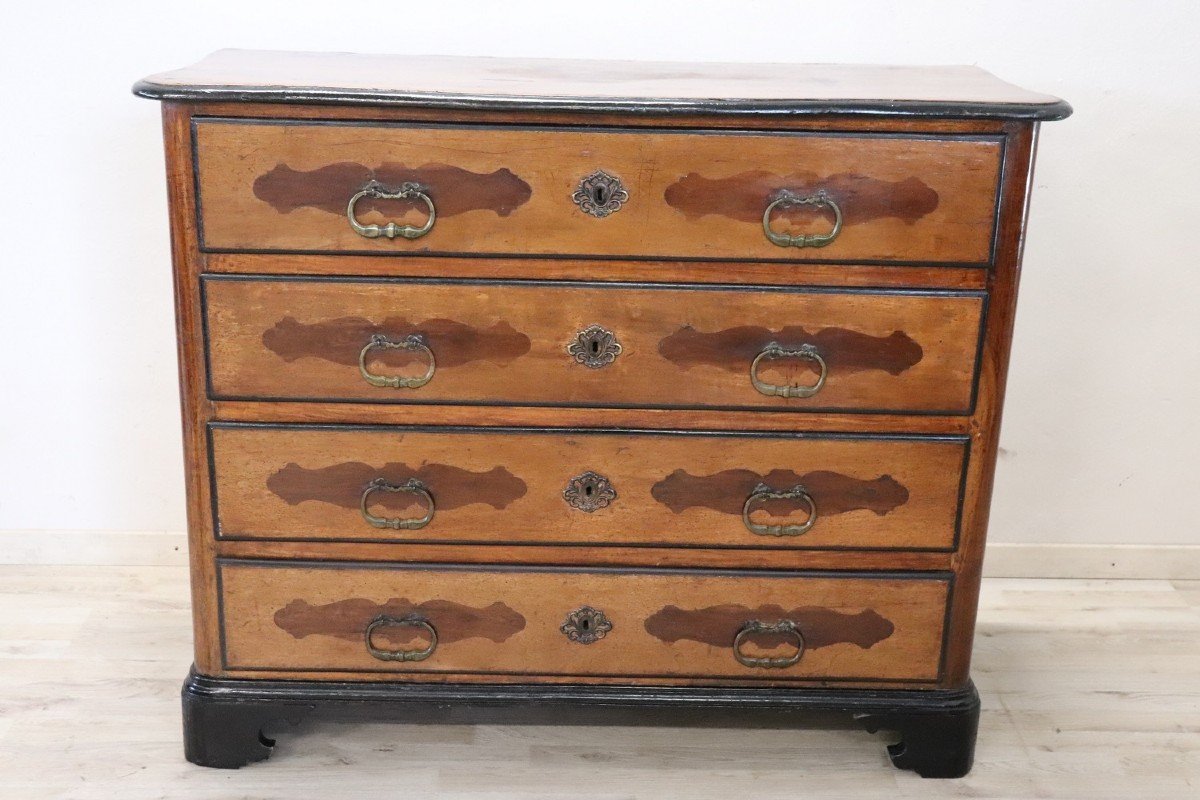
{"x":223,"y":720}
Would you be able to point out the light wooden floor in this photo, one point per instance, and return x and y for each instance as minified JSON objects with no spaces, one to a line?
{"x":1090,"y":690}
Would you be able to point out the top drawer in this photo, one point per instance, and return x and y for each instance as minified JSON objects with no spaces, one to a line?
{"x":287,"y":186}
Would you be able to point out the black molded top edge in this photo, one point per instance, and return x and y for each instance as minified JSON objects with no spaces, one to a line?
{"x":1041,"y":112}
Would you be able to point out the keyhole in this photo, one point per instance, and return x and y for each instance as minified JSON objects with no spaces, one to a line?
{"x":600,"y":195}
{"x":585,"y":623}
{"x":589,"y":490}
{"x":595,"y":346}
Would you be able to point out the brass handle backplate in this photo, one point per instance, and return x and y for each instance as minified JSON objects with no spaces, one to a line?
{"x":754,"y":626}
{"x":773,"y":352}
{"x":762,"y":493}
{"x":411,"y":486}
{"x":788,"y":199}
{"x":413,"y":621}
{"x":407,"y":191}
{"x":414,"y":342}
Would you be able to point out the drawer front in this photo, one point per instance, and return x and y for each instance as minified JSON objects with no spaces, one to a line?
{"x":583,"y":345}
{"x":286,"y":186}
{"x":487,"y":621}
{"x":587,"y":488}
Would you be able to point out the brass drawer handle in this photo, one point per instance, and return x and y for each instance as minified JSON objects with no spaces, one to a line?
{"x":401,"y":622}
{"x":413,"y":342}
{"x":761,"y":493}
{"x":775,"y":351}
{"x":754,"y":626}
{"x":788,"y":199}
{"x":407,"y":191}
{"x":411,"y":486}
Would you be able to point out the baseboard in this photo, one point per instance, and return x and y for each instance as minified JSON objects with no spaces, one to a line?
{"x":96,"y":548}
{"x":1113,"y":561}
{"x":1003,"y":560}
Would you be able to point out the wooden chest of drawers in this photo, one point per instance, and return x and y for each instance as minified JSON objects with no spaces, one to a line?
{"x":553,"y":390}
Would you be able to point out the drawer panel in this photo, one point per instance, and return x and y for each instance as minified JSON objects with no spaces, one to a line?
{"x":580,"y":488}
{"x":488,"y":621}
{"x":285,"y":186}
{"x":591,"y":346}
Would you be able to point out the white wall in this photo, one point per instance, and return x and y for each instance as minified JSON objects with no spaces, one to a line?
{"x":1101,"y":435}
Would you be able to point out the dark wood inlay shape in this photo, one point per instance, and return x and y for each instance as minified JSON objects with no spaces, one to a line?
{"x":342,"y":485}
{"x":348,"y":619}
{"x":727,"y":491}
{"x":843,"y":350}
{"x":718,"y":625}
{"x":454,"y":190}
{"x":340,"y":341}
{"x":745,"y":196}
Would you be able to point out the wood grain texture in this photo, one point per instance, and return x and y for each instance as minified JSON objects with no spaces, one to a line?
{"x":294,"y":339}
{"x":275,"y":187}
{"x":616,"y":556}
{"x":453,"y":82}
{"x":195,"y":408}
{"x":376,"y":413}
{"x":677,"y":120}
{"x":1003,"y":285}
{"x":672,"y":490}
{"x":906,"y":646}
{"x":702,"y":272}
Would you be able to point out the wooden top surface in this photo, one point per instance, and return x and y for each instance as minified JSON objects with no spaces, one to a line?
{"x":597,"y":86}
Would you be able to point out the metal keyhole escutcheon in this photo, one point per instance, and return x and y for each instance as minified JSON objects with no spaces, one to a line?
{"x":586,"y":625}
{"x":600,"y":194}
{"x":594,"y":347}
{"x":589,"y":492}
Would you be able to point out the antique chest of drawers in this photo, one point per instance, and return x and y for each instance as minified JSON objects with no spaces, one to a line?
{"x":526,"y":390}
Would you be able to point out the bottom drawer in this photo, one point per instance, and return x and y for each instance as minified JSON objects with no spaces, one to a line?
{"x":497,"y":621}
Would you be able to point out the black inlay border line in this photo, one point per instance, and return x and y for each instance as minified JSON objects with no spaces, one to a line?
{"x":999,"y":138}
{"x":963,"y":441}
{"x":979,"y":294}
{"x":947,"y":578}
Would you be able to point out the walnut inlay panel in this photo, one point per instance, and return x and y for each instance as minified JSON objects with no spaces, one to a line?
{"x":340,"y":340}
{"x":284,"y":185}
{"x":295,"y":482}
{"x":342,"y":485}
{"x":328,"y":188}
{"x":347,"y":619}
{"x":718,"y":625}
{"x":726,"y":491}
{"x":844,"y":350}
{"x":312,"y":616}
{"x":861,"y":197}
